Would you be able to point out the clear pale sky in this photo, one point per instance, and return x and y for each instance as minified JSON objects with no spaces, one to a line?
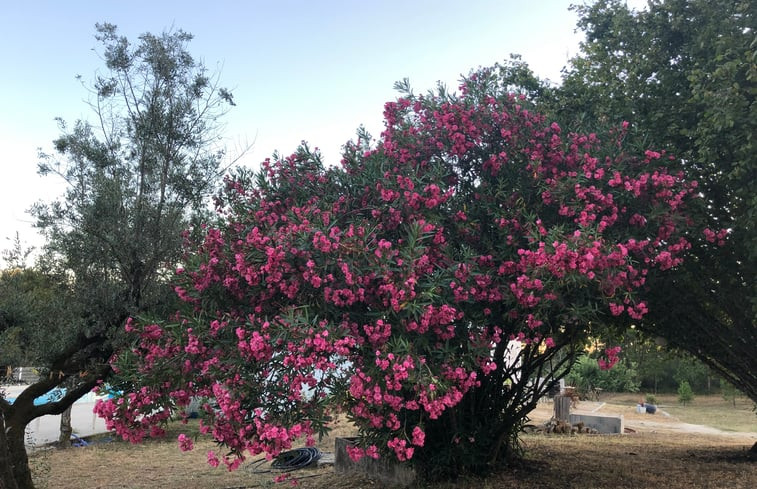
{"x":299,"y":70}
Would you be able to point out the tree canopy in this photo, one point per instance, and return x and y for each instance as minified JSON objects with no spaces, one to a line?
{"x":33,"y":306}
{"x":684,"y":73}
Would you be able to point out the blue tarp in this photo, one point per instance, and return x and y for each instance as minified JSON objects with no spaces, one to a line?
{"x":53,"y":395}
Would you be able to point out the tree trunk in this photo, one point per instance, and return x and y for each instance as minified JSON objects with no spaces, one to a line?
{"x":13,"y":436}
{"x":17,"y":416}
{"x":7,"y":481}
{"x":64,"y":440}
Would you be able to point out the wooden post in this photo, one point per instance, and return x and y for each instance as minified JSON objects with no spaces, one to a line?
{"x":562,"y":408}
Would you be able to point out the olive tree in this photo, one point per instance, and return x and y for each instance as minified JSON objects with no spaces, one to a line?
{"x":137,"y":174}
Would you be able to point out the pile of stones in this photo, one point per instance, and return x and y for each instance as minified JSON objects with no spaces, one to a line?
{"x":554,"y":426}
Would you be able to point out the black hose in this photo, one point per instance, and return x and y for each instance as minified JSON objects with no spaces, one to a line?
{"x":296,"y":459}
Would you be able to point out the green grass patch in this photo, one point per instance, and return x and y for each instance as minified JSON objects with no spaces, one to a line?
{"x":713,"y":411}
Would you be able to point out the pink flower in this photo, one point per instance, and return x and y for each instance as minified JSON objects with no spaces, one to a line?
{"x":185,"y":443}
{"x":401,"y":450}
{"x":419,"y":436}
{"x":612,"y":358}
{"x":616,"y":309}
{"x":372,"y":451}
{"x":129,"y":327}
{"x":213,"y":459}
{"x":355,"y":453}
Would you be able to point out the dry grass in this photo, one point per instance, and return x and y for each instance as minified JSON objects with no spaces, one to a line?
{"x":648,"y":458}
{"x":713,"y":411}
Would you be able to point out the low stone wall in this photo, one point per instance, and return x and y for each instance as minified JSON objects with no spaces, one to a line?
{"x":390,"y":473}
{"x":603,"y":424}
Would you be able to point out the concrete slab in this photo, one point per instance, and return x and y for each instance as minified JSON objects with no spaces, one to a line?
{"x":603,"y":424}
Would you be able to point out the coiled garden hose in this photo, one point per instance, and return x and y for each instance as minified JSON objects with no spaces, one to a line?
{"x":296,"y":459}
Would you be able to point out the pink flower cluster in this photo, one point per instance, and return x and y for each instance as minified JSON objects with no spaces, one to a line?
{"x":185,"y":443}
{"x":715,"y":237}
{"x":610,"y":358}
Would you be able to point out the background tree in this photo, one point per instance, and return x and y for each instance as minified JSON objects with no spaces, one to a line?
{"x":729,"y":392}
{"x":658,"y":368}
{"x":684,"y":72}
{"x":587,"y":376}
{"x":685,"y":394}
{"x":392,"y":287}
{"x":17,"y":255}
{"x":137,"y":176}
{"x":33,"y":305}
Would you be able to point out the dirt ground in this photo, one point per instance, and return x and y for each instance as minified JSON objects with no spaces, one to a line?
{"x":660,"y":451}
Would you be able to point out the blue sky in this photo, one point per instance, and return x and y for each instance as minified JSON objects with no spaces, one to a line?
{"x":299,"y":70}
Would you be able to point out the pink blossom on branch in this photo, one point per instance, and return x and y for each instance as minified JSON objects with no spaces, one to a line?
{"x":609,"y":359}
{"x":185,"y":443}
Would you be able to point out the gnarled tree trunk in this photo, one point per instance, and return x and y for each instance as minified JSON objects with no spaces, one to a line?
{"x":7,"y":479}
{"x":14,"y":463}
{"x":15,"y":417}
{"x":18,"y":457}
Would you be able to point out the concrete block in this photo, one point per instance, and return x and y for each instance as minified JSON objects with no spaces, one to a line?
{"x":390,"y":473}
{"x":603,"y":424}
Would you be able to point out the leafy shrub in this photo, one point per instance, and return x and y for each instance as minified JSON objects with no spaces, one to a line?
{"x":420,"y":288}
{"x":587,"y":376}
{"x":685,"y":394}
{"x":728,"y":391}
